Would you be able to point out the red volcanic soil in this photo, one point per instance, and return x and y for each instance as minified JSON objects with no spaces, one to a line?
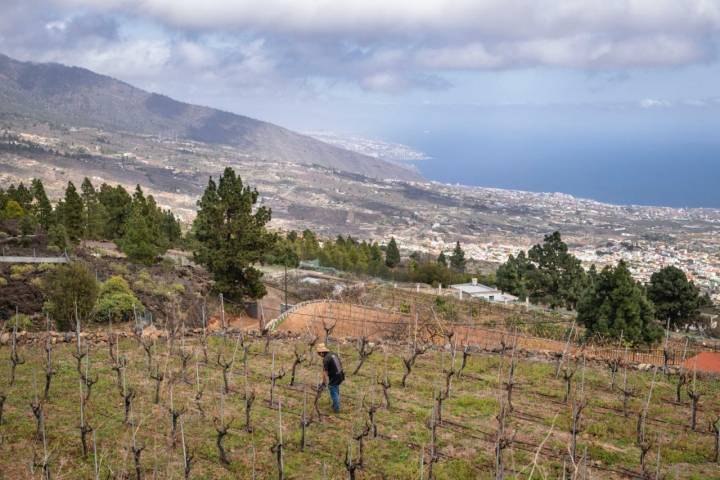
{"x":704,"y":362}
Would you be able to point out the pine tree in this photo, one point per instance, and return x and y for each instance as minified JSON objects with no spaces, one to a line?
{"x":27,"y":225}
{"x":117,"y":205}
{"x":57,"y":236}
{"x":617,"y":305}
{"x":94,"y":217}
{"x":558,"y":279}
{"x":22,"y":195}
{"x":392,"y":254}
{"x":41,"y":204}
{"x":512,"y":276}
{"x":139,"y":242}
{"x":170,"y":228}
{"x":72,"y":213}
{"x":675,"y":297}
{"x":231,"y":238}
{"x":457,"y":259}
{"x":310,"y":245}
{"x":442,"y":259}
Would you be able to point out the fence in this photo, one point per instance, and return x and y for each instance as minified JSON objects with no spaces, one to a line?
{"x":352,"y":320}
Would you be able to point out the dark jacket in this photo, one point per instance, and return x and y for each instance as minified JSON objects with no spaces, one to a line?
{"x":333,"y":367}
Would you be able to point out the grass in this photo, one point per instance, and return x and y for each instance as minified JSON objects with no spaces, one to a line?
{"x":465,"y":441}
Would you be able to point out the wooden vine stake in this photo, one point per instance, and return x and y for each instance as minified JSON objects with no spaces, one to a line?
{"x":694,"y":395}
{"x":85,"y":427}
{"x":277,"y":448}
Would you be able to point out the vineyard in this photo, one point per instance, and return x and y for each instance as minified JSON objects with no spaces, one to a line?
{"x":423,"y":401}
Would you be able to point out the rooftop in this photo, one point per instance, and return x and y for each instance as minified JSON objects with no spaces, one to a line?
{"x":474,"y":288}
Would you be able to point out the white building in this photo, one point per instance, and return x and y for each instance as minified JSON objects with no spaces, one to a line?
{"x":478,"y":290}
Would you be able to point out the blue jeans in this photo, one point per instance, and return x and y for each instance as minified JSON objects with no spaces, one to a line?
{"x":335,"y":397}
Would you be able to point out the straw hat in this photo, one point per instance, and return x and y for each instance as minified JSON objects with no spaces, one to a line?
{"x":321,"y":348}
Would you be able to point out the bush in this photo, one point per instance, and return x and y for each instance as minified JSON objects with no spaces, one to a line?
{"x":17,"y":272}
{"x":12,"y":211}
{"x":66,"y":287}
{"x":119,"y":269}
{"x":22,"y":321}
{"x":116,"y":301}
{"x":58,"y":237}
{"x":3,"y":281}
{"x":148,"y":285}
{"x":446,"y":309}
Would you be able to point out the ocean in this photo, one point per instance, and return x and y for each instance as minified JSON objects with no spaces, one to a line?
{"x":614,"y":157}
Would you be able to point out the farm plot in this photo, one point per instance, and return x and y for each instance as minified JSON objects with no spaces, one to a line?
{"x":247,"y":406}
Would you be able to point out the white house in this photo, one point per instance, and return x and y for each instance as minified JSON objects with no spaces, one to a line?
{"x":478,"y":290}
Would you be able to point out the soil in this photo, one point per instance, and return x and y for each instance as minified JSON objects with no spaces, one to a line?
{"x":20,"y":294}
{"x":708,"y":362}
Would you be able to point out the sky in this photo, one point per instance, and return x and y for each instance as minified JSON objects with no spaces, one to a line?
{"x":527,"y":94}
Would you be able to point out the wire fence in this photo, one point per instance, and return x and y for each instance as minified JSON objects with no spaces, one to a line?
{"x":349,"y":320}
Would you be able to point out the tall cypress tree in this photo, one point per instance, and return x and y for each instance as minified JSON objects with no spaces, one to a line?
{"x":231,"y":237}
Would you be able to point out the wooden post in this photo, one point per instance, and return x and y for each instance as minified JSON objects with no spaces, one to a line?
{"x":222,"y":312}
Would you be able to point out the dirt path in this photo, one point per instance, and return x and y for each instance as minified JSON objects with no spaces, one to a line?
{"x":379,"y":324}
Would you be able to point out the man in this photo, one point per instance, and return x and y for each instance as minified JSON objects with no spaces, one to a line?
{"x":333,"y":374}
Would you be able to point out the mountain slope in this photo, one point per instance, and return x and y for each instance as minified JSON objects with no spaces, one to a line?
{"x":81,"y":98}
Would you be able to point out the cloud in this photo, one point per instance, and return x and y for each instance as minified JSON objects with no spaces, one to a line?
{"x":654,"y":103}
{"x":499,"y":18}
{"x":385,"y":46}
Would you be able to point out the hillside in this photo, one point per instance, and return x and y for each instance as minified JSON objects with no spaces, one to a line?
{"x":76,"y":97}
{"x":145,"y":387}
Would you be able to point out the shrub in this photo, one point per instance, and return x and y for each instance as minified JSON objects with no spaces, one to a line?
{"x":22,"y":321}
{"x":3,"y":281}
{"x":116,"y":301}
{"x":144,"y":282}
{"x":119,"y":269}
{"x":148,"y":285}
{"x":12,"y":211}
{"x":58,"y":237}
{"x":66,"y":288}
{"x":17,"y":272}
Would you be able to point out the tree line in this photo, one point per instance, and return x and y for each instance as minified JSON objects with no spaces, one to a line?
{"x":369,"y":258}
{"x":229,"y":236}
{"x":140,"y":228}
{"x":610,"y":303}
